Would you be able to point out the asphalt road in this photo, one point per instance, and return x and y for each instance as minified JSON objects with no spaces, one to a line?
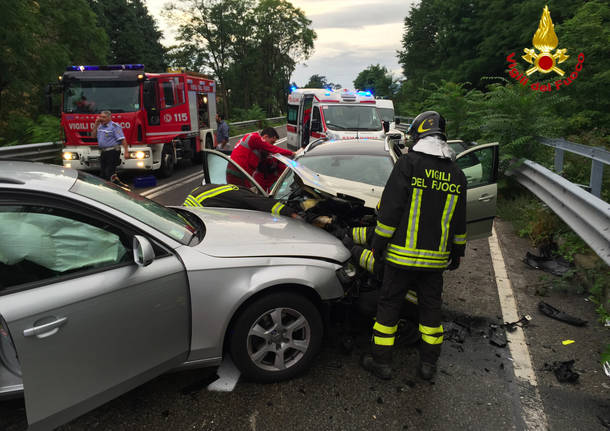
{"x":476,"y":387}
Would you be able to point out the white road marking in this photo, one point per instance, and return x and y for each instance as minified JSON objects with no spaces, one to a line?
{"x":228,"y":375}
{"x":533,"y":410}
{"x":147,"y":193}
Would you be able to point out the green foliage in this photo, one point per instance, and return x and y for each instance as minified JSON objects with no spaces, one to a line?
{"x":134,"y":36}
{"x":255,"y":112}
{"x":317,"y":81}
{"x":377,"y":80}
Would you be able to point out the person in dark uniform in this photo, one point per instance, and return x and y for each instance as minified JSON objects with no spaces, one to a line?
{"x":420,"y":232}
{"x":232,"y":196}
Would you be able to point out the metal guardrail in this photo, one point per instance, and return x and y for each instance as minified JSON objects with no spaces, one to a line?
{"x":586,"y":214}
{"x":51,"y":151}
{"x":43,"y":152}
{"x":598,"y":156}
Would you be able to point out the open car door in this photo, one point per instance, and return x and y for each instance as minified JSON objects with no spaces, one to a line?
{"x":480,"y":165}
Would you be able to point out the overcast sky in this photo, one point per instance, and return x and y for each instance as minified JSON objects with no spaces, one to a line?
{"x":352,"y":35}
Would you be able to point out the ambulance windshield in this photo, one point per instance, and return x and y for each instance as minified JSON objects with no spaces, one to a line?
{"x":90,"y":97}
{"x":351,"y":117}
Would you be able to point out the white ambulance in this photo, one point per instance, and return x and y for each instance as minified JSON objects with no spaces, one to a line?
{"x":335,"y":114}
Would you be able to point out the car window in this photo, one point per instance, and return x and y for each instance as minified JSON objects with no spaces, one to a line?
{"x":351,"y":117}
{"x":367,"y":169}
{"x":40,"y":243}
{"x":165,"y":220}
{"x":478,"y":167}
{"x":387,"y":114}
{"x":285,"y":186}
{"x":221,"y":170}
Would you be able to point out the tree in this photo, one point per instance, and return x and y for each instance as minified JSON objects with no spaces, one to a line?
{"x":134,"y":37}
{"x":317,"y":81}
{"x":377,"y":80}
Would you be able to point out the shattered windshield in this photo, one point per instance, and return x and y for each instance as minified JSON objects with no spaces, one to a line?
{"x":94,"y":97}
{"x":351,"y":117}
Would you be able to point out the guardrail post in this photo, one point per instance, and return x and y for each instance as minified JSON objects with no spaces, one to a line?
{"x":559,"y":160}
{"x":597,"y":173}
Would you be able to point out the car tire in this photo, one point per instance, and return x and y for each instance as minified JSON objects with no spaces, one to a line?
{"x":276,"y":337}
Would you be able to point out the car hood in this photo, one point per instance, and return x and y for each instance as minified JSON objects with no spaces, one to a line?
{"x":333,"y":186}
{"x":245,"y":233}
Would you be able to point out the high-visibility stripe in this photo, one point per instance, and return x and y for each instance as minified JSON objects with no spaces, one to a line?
{"x":384,"y":230}
{"x":430,"y":330}
{"x":411,"y":296}
{"x":450,"y":205}
{"x":429,"y":254}
{"x":277,"y":208}
{"x":367,"y":260}
{"x":215,"y":192}
{"x":459,"y":239}
{"x":190,"y":202}
{"x":384,"y":341}
{"x":432,"y":340}
{"x":359,"y":235}
{"x":388,"y":330}
{"x":412,"y":227}
{"x":419,"y":263}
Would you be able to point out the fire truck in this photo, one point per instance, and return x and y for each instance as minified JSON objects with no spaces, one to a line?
{"x":166,"y":117}
{"x":340,"y":114}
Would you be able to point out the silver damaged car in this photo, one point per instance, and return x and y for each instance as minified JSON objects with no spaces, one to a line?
{"x":102,"y":290}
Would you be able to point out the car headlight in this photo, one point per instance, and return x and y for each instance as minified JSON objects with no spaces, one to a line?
{"x":347,"y":273}
{"x":139,"y":155}
{"x":67,"y":155}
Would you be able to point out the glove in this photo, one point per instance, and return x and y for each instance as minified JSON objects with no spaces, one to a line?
{"x":454,"y":263}
{"x":378,"y":245}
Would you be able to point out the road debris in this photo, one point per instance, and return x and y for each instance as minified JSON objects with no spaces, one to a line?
{"x":554,"y":313}
{"x":563,"y":371}
{"x":512,"y":326}
{"x":551,"y":265}
{"x":566,"y":342}
{"x":606,"y":367}
{"x":497,"y":337}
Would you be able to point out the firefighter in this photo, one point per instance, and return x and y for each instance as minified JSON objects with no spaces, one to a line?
{"x":248,"y":153}
{"x":232,"y":196}
{"x":420,"y":232}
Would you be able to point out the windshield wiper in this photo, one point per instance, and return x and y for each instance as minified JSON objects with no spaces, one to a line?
{"x":335,"y":126}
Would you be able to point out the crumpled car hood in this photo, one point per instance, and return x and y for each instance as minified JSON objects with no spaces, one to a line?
{"x":245,"y":233}
{"x":370,"y":194}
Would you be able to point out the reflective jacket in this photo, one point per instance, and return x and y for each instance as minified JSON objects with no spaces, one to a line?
{"x":248,"y":152}
{"x":230,"y":196}
{"x":422,"y":215}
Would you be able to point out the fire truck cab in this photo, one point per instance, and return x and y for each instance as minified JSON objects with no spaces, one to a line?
{"x":341,"y":114}
{"x":166,"y":117}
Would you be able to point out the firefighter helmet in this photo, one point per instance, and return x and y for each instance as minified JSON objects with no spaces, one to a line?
{"x":427,"y":123}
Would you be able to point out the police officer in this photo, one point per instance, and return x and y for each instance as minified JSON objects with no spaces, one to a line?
{"x":232,"y":196}
{"x":420,"y":231}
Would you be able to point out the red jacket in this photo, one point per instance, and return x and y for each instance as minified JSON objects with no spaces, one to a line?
{"x":248,"y":152}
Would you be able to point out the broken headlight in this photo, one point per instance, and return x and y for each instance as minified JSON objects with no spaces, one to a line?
{"x":347,"y":273}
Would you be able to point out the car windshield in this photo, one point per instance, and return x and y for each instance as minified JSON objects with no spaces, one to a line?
{"x":368,"y":169}
{"x":351,"y":117}
{"x":95,"y":97}
{"x":163,"y":219}
{"x":387,"y":114}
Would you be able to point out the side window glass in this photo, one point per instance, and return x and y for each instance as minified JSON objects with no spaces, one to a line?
{"x":42,"y":243}
{"x":167,"y":89}
{"x":285,"y":187}
{"x":221,"y":171}
{"x":316,"y":114}
{"x":478,"y":167}
{"x":179,"y":87}
{"x":292,"y":114}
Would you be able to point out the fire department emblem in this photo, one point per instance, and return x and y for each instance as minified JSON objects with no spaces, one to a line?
{"x":545,"y":40}
{"x":167,"y":118}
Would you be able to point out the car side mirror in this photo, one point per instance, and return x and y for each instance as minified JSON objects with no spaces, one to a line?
{"x":397,"y":121}
{"x":143,"y":252}
{"x":315,"y":125}
{"x":386,"y":126}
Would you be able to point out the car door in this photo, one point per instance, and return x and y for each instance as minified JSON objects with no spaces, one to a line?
{"x":87,"y":322}
{"x":220,"y":169}
{"x":480,"y":165}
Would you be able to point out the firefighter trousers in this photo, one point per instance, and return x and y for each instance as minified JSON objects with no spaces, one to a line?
{"x":397,"y":283}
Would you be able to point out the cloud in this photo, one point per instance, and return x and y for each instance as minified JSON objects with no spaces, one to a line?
{"x":358,"y":15}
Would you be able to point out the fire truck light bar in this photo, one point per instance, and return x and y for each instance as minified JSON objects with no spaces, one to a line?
{"x":107,"y":67}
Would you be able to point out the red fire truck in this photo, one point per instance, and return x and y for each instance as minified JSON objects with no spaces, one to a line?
{"x":166,"y":117}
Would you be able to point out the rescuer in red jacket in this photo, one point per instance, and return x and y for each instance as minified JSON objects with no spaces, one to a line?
{"x":249,"y":152}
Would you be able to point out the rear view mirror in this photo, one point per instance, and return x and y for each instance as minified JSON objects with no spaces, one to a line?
{"x":143,"y":253}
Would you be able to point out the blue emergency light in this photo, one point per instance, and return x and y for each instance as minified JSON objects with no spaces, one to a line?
{"x":293,"y":88}
{"x":107,"y":67}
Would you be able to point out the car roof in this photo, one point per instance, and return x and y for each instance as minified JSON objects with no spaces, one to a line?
{"x":375,"y":147}
{"x":36,"y":176}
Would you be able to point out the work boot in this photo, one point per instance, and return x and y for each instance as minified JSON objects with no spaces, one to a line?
{"x":378,"y":369}
{"x":427,"y":370}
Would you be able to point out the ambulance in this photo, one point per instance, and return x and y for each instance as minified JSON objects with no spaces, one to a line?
{"x":334,"y":114}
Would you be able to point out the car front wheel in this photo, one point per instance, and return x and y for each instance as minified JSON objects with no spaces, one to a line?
{"x":276,"y":337}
